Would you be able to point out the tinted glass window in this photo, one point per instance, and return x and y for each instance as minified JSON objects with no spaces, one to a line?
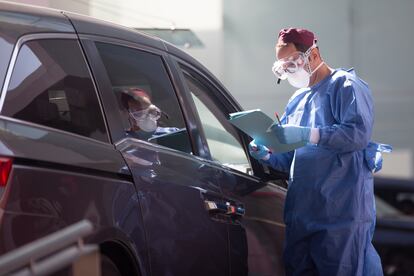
{"x":220,"y":136}
{"x":5,"y":52}
{"x":146,"y":99}
{"x":51,"y":86}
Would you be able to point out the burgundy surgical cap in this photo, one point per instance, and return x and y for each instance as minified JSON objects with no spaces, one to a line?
{"x":296,"y":35}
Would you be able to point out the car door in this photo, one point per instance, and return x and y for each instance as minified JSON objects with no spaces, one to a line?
{"x":242,"y":179}
{"x":62,"y":166}
{"x":184,"y":236}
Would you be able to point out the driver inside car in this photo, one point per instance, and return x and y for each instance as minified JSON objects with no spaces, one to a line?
{"x":143,"y":115}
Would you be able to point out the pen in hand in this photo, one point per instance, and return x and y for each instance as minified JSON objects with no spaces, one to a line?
{"x":277,"y":117}
{"x":278,"y":121}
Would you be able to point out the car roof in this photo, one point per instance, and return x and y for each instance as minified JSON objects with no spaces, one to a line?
{"x":91,"y":26}
{"x":36,"y":19}
{"x":86,"y":25}
{"x":20,"y":19}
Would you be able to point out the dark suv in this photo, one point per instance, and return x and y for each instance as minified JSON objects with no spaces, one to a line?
{"x":187,"y":200}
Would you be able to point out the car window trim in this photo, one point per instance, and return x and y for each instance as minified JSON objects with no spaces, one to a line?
{"x":16,"y":51}
{"x":224,"y":99}
{"x":214,"y":107}
{"x":165,"y":149}
{"x":211,"y":79}
{"x":200,"y":142}
{"x":120,"y":42}
{"x":48,"y":36}
{"x":212,"y":163}
{"x":95,"y":63}
{"x":48,"y":128}
{"x":214,"y":98}
{"x":229,"y":103}
{"x":172,"y":66}
{"x":169,"y":69}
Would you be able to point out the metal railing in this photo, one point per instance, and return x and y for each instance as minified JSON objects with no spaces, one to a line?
{"x":55,"y":252}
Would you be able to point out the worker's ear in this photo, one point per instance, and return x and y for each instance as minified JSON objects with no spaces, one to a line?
{"x":312,"y":55}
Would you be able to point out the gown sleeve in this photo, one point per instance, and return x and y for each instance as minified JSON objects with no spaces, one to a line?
{"x":352,"y":108}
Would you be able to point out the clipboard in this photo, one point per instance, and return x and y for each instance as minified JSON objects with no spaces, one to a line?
{"x":255,"y":123}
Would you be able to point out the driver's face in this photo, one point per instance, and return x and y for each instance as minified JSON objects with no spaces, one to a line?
{"x":134,"y":105}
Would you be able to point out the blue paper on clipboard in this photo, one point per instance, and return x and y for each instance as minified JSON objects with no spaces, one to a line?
{"x":255,"y":124}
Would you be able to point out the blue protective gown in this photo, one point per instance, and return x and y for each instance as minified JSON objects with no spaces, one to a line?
{"x":330,"y":207}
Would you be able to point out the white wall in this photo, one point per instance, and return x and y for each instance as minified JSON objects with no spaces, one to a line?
{"x":250,"y":35}
{"x":78,"y":6}
{"x":44,"y":3}
{"x":199,"y":15}
{"x":373,"y":36}
{"x":205,"y":18}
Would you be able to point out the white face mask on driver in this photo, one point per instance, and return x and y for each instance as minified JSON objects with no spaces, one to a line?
{"x":147,"y":119}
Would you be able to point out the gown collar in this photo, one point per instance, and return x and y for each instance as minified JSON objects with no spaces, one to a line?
{"x":323,"y":81}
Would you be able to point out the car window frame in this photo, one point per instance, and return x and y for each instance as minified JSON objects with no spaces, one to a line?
{"x":189,"y":109}
{"x":116,"y":130}
{"x":222,"y":97}
{"x":52,"y":36}
{"x":216,"y":108}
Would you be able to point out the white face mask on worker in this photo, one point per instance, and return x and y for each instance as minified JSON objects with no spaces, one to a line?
{"x":301,"y":77}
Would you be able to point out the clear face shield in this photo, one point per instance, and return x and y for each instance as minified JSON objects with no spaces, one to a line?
{"x":152,"y":112}
{"x":291,"y":64}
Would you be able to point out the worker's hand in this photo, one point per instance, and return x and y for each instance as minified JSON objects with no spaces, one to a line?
{"x":258,"y":151}
{"x":373,"y":155}
{"x":291,"y":134}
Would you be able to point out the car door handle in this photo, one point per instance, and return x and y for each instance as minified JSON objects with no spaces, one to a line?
{"x":225,"y":208}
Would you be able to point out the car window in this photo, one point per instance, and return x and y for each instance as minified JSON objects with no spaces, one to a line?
{"x":51,"y":86}
{"x":146,"y":99}
{"x":6,"y":49}
{"x":223,"y":145}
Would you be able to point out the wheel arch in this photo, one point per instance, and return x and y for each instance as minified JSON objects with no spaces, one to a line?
{"x":122,"y":256}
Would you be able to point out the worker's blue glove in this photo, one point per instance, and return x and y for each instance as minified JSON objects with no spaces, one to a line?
{"x":373,"y":155}
{"x":258,"y":151}
{"x":291,"y":134}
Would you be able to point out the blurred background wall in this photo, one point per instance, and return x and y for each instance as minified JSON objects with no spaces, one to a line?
{"x":373,"y":36}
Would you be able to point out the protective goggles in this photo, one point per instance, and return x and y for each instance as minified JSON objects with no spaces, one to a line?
{"x":289,"y":65}
{"x":151,"y":111}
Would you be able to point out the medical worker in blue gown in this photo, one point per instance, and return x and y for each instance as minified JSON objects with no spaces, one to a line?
{"x":329,"y":208}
